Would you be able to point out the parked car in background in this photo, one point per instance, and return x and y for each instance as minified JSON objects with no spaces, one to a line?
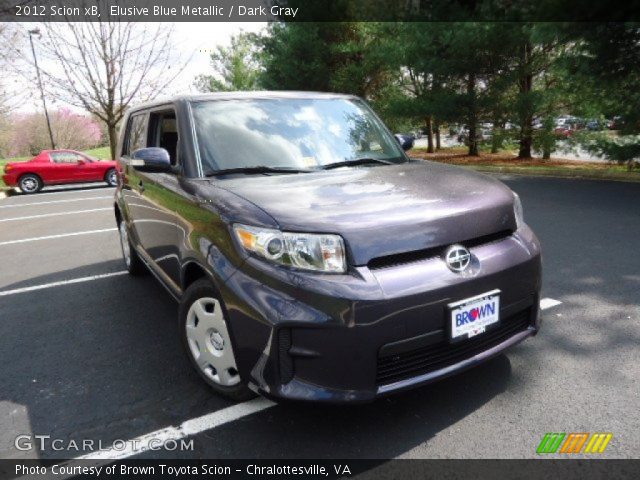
{"x":311,"y":257}
{"x":615,"y":123}
{"x":567,"y":125}
{"x":482,"y":133}
{"x":55,"y":167}
{"x":563,"y":132}
{"x":595,"y":125}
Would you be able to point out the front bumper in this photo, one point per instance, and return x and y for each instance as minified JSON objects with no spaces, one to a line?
{"x":356,"y":337}
{"x":10,"y":180}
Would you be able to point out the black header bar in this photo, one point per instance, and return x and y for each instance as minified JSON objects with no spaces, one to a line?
{"x":318,"y":10}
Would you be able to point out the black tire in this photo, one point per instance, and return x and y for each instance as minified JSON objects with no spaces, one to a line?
{"x":135,"y":266}
{"x":203,"y":290}
{"x":111,"y":177}
{"x":30,"y":183}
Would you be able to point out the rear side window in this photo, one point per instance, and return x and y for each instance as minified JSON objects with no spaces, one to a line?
{"x":65,"y":157}
{"x":136,"y":138}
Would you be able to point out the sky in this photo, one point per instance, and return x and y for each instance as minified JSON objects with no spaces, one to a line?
{"x":193,"y":41}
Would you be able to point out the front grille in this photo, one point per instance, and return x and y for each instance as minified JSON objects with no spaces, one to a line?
{"x":434,"y":357}
{"x":418,"y":255}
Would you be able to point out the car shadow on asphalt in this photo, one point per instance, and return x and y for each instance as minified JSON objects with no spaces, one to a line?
{"x":382,"y":429}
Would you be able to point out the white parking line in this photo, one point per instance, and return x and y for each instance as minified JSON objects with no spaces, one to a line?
{"x":547,"y":303}
{"x":15,"y":205}
{"x":62,"y":235}
{"x":30,"y":217}
{"x":61,"y":283}
{"x":187,"y":428}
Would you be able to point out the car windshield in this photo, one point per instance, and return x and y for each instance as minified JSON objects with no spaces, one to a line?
{"x":294,"y":133}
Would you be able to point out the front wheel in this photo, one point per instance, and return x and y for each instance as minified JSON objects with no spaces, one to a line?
{"x":207,"y":342}
{"x":30,"y":183}
{"x":111,"y":177}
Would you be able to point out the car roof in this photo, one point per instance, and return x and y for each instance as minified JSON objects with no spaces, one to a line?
{"x":259,"y":94}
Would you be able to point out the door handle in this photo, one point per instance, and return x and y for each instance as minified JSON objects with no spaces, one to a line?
{"x":141,"y":186}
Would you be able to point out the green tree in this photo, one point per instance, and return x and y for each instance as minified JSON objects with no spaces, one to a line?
{"x":606,"y":64}
{"x":344,"y":57}
{"x":448,"y":71}
{"x":297,"y":56}
{"x":478,"y":55}
{"x":543,"y":88}
{"x":420,"y":53}
{"x":361,"y":60}
{"x":236,"y":67}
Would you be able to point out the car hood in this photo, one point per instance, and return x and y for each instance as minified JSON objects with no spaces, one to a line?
{"x":384,"y":210}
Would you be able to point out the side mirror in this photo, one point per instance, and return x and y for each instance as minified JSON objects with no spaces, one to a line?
{"x":81,"y":162}
{"x":153,"y":159}
{"x":405,"y":141}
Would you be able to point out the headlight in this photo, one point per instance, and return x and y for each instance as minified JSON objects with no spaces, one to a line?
{"x":323,"y":253}
{"x":517,"y":210}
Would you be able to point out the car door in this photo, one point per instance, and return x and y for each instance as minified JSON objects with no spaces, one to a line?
{"x":74,"y":167}
{"x":64,"y":167}
{"x":93,"y":169}
{"x":152,"y":196}
{"x":134,"y":139}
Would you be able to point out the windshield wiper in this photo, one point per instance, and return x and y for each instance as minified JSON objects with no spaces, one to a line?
{"x":356,"y":161}
{"x":257,"y":169}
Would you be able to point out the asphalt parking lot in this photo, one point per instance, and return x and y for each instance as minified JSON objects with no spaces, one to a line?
{"x":88,"y":352}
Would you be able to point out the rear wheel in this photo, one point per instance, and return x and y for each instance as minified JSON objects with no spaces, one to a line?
{"x":111,"y":177}
{"x":205,"y":335}
{"x":132,"y":261}
{"x":30,"y":183}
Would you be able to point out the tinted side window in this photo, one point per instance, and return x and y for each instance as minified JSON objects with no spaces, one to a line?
{"x":136,"y":137}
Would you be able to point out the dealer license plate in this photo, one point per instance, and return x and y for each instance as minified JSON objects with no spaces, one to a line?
{"x":472,"y":316}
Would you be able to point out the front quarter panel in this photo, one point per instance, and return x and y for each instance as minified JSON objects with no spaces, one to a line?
{"x":205,"y":214}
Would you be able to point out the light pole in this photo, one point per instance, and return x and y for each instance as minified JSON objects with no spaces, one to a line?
{"x":36,"y":31}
